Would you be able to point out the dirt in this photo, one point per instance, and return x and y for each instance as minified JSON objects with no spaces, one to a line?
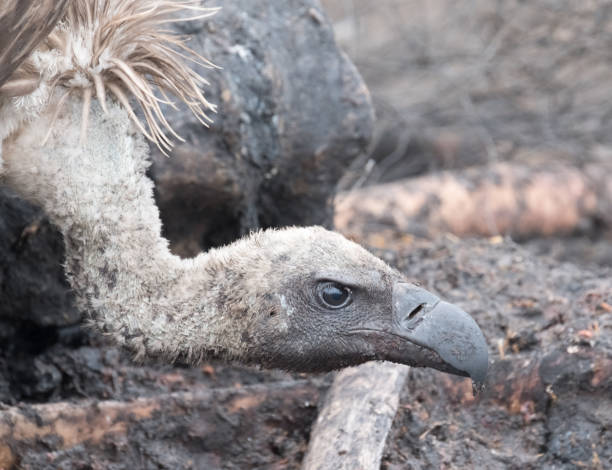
{"x":549,"y":398}
{"x":591,"y":250}
{"x":46,"y":365}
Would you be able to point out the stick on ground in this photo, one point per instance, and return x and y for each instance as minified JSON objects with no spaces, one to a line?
{"x":352,"y":427}
{"x":503,"y":199}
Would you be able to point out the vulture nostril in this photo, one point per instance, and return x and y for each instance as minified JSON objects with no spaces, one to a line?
{"x":416,"y":310}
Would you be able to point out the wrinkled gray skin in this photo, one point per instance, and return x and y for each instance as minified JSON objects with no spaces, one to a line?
{"x":387,"y":317}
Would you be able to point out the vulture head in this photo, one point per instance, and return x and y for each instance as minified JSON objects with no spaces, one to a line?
{"x":316,"y":301}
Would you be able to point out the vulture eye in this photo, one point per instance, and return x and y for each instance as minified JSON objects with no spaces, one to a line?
{"x":334,"y":295}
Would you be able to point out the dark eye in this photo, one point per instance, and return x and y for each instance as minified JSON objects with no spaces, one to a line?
{"x":334,"y":295}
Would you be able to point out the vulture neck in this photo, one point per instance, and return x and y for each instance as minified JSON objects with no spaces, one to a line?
{"x":117,"y":262}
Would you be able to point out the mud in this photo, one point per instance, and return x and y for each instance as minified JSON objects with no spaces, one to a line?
{"x":548,"y":402}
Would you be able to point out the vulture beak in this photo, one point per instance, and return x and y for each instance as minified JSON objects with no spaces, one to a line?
{"x":437,"y":334}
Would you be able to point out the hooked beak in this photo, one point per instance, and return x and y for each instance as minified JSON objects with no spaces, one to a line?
{"x":439,"y":335}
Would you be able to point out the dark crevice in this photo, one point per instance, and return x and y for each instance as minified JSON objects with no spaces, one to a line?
{"x":414,"y":313}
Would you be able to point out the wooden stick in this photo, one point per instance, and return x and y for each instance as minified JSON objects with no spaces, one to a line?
{"x":221,"y":416}
{"x":352,"y":426}
{"x":503,"y":199}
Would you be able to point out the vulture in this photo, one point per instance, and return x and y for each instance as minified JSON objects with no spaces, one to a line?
{"x":299,"y":298}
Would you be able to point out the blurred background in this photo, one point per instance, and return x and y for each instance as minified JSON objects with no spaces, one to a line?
{"x":460,"y":85}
